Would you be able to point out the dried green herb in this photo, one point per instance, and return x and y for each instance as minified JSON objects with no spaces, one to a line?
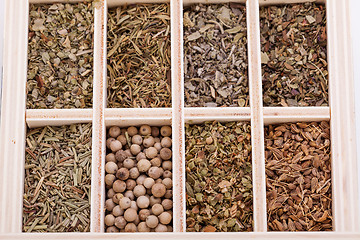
{"x":57,"y":179}
{"x":215,"y":47}
{"x":293,"y":55}
{"x":60,"y":56}
{"x":298,"y":171}
{"x":139,"y":56}
{"x":218,"y":177}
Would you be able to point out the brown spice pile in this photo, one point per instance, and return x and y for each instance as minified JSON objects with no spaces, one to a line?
{"x":294,"y":55}
{"x":298,"y":170}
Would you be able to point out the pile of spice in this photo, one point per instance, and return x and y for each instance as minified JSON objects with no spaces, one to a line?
{"x":138,"y":55}
{"x":215,"y":49}
{"x":57,"y":179}
{"x":293,"y":55}
{"x":139,"y":179}
{"x":60,"y":56}
{"x":218,"y":177}
{"x":298,"y":170}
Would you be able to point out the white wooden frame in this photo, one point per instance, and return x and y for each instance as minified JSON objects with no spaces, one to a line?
{"x":14,"y":118}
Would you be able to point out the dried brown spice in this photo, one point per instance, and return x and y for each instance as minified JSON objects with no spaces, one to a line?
{"x":298,"y":171}
{"x":57,"y":179}
{"x":215,"y":51}
{"x":139,"y":56}
{"x":294,"y":55}
{"x":60,"y":56}
{"x":219,"y":194}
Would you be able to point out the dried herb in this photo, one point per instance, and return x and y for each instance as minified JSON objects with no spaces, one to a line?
{"x":293,"y":57}
{"x":139,"y":56}
{"x":215,"y":46}
{"x":57,"y":179}
{"x":60,"y":56}
{"x":218,"y":177}
{"x":298,"y":170}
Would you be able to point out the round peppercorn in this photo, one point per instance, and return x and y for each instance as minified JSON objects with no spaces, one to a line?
{"x":109,"y":220}
{"x":143,"y":202}
{"x":166,"y":165}
{"x":129,"y":194}
{"x":154,"y":172}
{"x":140,"y":156}
{"x":167,"y":182}
{"x":130,"y":184}
{"x":135,"y":149}
{"x":148,"y":182}
{"x":109,"y":179}
{"x":116,"y":198}
{"x":132,"y":131}
{"x":156,"y":162}
{"x":165,"y":153}
{"x":115,"y":145}
{"x":130,"y":214}
{"x":129,"y":163}
{"x":148,"y":141}
{"x":143,"y":214}
{"x":117,"y":211}
{"x":119,"y":186}
{"x":157,"y":209}
{"x":110,"y":158}
{"x":137,"y":139}
{"x":139,"y":190}
{"x":161,"y":228}
{"x":145,"y":130}
{"x":158,"y":146}
{"x":167,"y":174}
{"x":134,"y":173}
{"x":122,"y":174}
{"x":166,"y":142}
{"x":109,"y":205}
{"x":121,"y":138}
{"x":165,"y":218}
{"x":130,"y":227}
{"x":143,"y":165}
{"x":121,"y":155}
{"x":151,"y":152}
{"x":152,"y":221}
{"x":120,"y":222}
{"x":142,"y":227}
{"x":167,"y":204}
{"x":158,"y":189}
{"x":155,"y":131}
{"x":125,"y":203}
{"x":111,"y":167}
{"x":165,"y":131}
{"x":140,"y":180}
{"x":114,"y":131}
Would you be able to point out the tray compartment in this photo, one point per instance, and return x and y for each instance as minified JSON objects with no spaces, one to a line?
{"x":294,"y":55}
{"x":131,"y":161}
{"x":57,"y":179}
{"x":219,"y":177}
{"x":60,"y":54}
{"x":298,"y":171}
{"x":215,"y":51}
{"x":134,"y":32}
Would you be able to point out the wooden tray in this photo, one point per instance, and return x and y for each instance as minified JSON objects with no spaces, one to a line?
{"x":15,"y":117}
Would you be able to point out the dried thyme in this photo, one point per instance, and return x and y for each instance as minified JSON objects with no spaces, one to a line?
{"x":60,"y":56}
{"x":298,"y":170}
{"x":293,"y":55}
{"x":139,"y":56}
{"x":57,"y":179}
{"x":215,"y":49}
{"x":218,"y":177}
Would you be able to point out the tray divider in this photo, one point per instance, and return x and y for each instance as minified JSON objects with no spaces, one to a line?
{"x":13,"y":128}
{"x":257,"y":122}
{"x":178,"y":127}
{"x":99,"y":130}
{"x":341,"y":98}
